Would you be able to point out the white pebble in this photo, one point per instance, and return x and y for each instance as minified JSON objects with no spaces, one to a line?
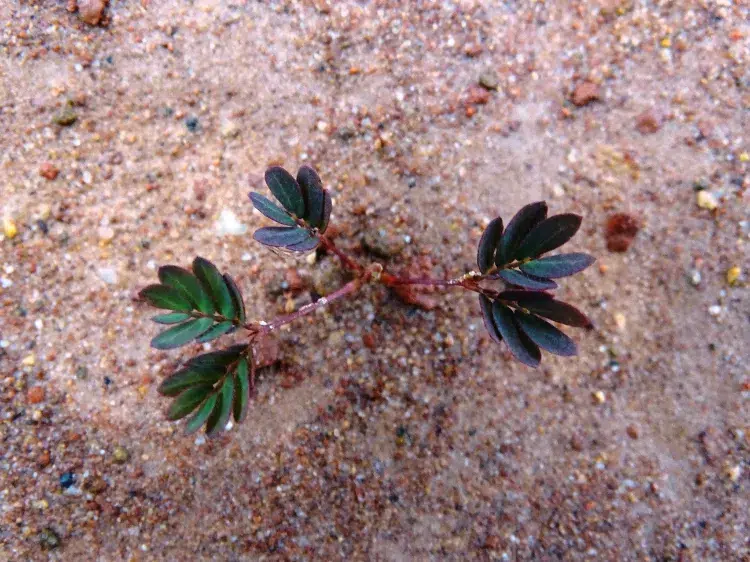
{"x":108,"y":275}
{"x":714,"y":310}
{"x":229,"y":225}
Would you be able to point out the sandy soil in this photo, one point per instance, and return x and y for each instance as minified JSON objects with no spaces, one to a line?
{"x":387,"y":432}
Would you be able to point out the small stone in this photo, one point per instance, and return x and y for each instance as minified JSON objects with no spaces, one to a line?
{"x":620,"y":231}
{"x":96,"y":485}
{"x":733,"y":274}
{"x":35,"y":395}
{"x":41,"y":505}
{"x":734,"y":472}
{"x":648,"y":122}
{"x":48,"y":171}
{"x":599,"y":397}
{"x":9,"y":228}
{"x":632,"y":432}
{"x":695,"y":278}
{"x":44,"y":459}
{"x":90,"y":11}
{"x":106,"y":234}
{"x":65,"y":118}
{"x":48,"y":539}
{"x":473,"y":50}
{"x":585,"y":93}
{"x":108,"y":275}
{"x":29,"y":360}
{"x":706,"y":200}
{"x":714,"y":310}
{"x":477,"y":96}
{"x":67,"y":479}
{"x":620,"y":321}
{"x":192,"y":124}
{"x":489,"y":80}
{"x":229,"y":225}
{"x":230,"y":130}
{"x":120,"y":455}
{"x":558,"y":190}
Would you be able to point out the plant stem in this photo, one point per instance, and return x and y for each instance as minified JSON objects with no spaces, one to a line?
{"x":266,"y":328}
{"x":349,"y":263}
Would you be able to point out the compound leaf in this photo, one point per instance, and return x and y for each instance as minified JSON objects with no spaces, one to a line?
{"x":518,"y":227}
{"x":214,"y":285}
{"x":285,"y":188}
{"x":182,"y":333}
{"x":200,"y":417}
{"x":549,"y":234}
{"x":187,"y":284}
{"x":522,"y":348}
{"x":187,"y":401}
{"x":488,"y":244}
{"x":558,"y":266}
{"x":161,"y":296}
{"x":216,"y":331}
{"x":281,"y":236}
{"x":545,"y":335}
{"x":515,"y":277}
{"x":269,"y":209}
{"x":312,"y":194}
{"x":489,"y":323}
{"x":242,"y":390}
{"x":171,"y":318}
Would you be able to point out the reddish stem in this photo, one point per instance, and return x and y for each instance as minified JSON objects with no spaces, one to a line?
{"x":349,"y":263}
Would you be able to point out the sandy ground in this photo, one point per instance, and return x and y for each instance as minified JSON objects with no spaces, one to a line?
{"x":386,"y":432}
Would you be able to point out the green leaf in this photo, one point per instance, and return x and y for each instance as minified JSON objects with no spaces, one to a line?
{"x":558,"y":311}
{"x":161,"y":296}
{"x":216,"y":360}
{"x":185,"y":378}
{"x":549,"y":234}
{"x":182,"y":333}
{"x":187,"y":402}
{"x":237,"y":300}
{"x":545,"y":335}
{"x":515,"y":277}
{"x":242,"y":390}
{"x":488,"y":244}
{"x":271,"y":210}
{"x":285,"y":188}
{"x":306,"y":245}
{"x":214,"y":285}
{"x":312,"y":194}
{"x":522,"y":348}
{"x":281,"y":236}
{"x":187,"y":284}
{"x":200,"y":417}
{"x":558,"y":266}
{"x":218,"y":419}
{"x":217,"y":331}
{"x":327,"y":206}
{"x":171,"y":318}
{"x":489,"y":322}
{"x":518,"y":227}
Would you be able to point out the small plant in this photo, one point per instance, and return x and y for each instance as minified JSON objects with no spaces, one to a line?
{"x":512,"y":283}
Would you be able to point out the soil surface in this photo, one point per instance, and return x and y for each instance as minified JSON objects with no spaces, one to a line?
{"x":381,"y":431}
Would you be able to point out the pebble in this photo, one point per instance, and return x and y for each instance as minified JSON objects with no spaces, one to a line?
{"x":67,"y":479}
{"x":35,"y":395}
{"x":489,"y":80}
{"x":620,"y":232}
{"x":108,"y":275}
{"x":695,"y":278}
{"x":120,"y":455}
{"x":585,"y":93}
{"x":620,"y":321}
{"x":706,"y":200}
{"x":90,"y":11}
{"x":65,"y":118}
{"x":734,"y":472}
{"x":106,"y":234}
{"x":29,"y":360}
{"x":192,"y":124}
{"x":714,"y":310}
{"x":477,"y":96}
{"x":733,"y":274}
{"x":48,"y":171}
{"x":9,"y":228}
{"x":48,"y":539}
{"x":632,"y":432}
{"x":648,"y":122}
{"x":229,"y":225}
{"x":230,"y":130}
{"x":599,"y":397}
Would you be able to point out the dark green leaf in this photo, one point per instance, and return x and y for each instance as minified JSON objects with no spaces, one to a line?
{"x":216,"y":361}
{"x":200,"y":417}
{"x":281,"y":236}
{"x":218,"y":419}
{"x":214,"y":285}
{"x":187,"y":402}
{"x":522,"y":348}
{"x":171,"y":318}
{"x":268,"y":208}
{"x":545,"y":335}
{"x":306,"y":245}
{"x":549,"y":234}
{"x":239,"y":303}
{"x":187,"y":284}
{"x":558,"y":266}
{"x":327,"y":206}
{"x":312,"y":194}
{"x":185,"y":378}
{"x":488,"y":244}
{"x":181,"y":334}
{"x":489,"y":323}
{"x":216,"y":331}
{"x":559,"y":312}
{"x":523,"y":297}
{"x":515,"y":277}
{"x":242,"y":390}
{"x":161,"y":296}
{"x":518,"y":227}
{"x":285,"y":188}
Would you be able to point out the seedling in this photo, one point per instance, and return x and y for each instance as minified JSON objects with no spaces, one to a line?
{"x":512,"y":281}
